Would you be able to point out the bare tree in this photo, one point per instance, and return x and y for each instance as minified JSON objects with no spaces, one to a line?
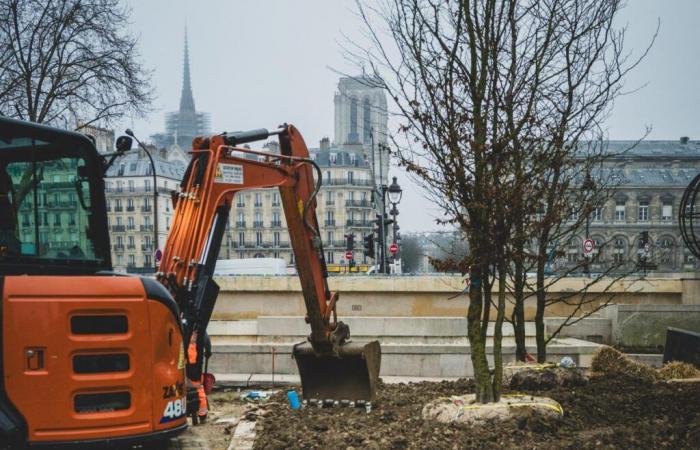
{"x":69,"y":62}
{"x":495,"y":98}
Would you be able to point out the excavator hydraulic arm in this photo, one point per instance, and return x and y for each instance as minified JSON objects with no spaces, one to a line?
{"x":329,"y":365}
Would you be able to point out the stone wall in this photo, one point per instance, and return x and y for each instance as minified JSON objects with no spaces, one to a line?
{"x":247,"y":297}
{"x":644,"y":326}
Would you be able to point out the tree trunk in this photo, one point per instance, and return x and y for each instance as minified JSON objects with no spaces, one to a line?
{"x":519,"y":312}
{"x":482,"y":377}
{"x":498,"y":334}
{"x":540,"y":332}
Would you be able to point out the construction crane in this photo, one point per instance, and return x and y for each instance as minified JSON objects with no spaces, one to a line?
{"x":92,"y":357}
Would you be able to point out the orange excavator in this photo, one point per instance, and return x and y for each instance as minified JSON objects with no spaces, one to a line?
{"x":92,"y":357}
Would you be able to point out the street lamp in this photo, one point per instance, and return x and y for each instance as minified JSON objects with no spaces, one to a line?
{"x":395,"y":193}
{"x":587,"y":187}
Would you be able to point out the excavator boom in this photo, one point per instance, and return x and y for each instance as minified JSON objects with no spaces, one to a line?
{"x":329,"y":365}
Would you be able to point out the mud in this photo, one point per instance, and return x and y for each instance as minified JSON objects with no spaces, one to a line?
{"x":607,"y":412}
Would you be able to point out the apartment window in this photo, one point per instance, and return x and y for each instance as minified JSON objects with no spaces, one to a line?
{"x":276,"y":238}
{"x":275,"y":199}
{"x":57,"y":220}
{"x":108,"y":186}
{"x":258,"y":238}
{"x":131,"y":185}
{"x":351,"y":177}
{"x":147,"y":184}
{"x":276,"y":219}
{"x":131,"y":242}
{"x":330,"y":218}
{"x":329,"y":238}
{"x":353,"y":158}
{"x":666,"y":246}
{"x":329,"y":258}
{"x":351,"y":196}
{"x":71,"y":219}
{"x":620,"y":210}
{"x":258,"y":199}
{"x":241,"y":239}
{"x":330,"y":198}
{"x":333,"y":158}
{"x":147,"y":221}
{"x":120,"y":260}
{"x":147,"y":260}
{"x":130,"y":223}
{"x":328,"y":176}
{"x":258,"y":220}
{"x":619,"y":250}
{"x":597,"y":214}
{"x":132,"y":261}
{"x":147,"y":241}
{"x":363,"y":196}
{"x":119,"y":221}
{"x":120,"y":186}
{"x":643,"y":215}
{"x":666,"y":211}
{"x":573,"y":251}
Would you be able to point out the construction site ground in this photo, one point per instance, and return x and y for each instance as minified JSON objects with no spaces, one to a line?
{"x":608,"y":412}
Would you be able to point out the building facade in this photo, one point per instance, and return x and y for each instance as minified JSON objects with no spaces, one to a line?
{"x":652,"y":178}
{"x":257,"y":226}
{"x":361,"y":118}
{"x":137,"y":228}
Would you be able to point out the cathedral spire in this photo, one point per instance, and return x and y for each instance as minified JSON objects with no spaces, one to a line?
{"x":186,"y":98}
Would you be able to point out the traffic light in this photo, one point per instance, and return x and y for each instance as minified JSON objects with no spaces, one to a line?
{"x":369,"y":245}
{"x":350,"y":241}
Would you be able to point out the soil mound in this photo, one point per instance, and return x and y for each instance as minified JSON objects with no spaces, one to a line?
{"x":465,"y":408}
{"x":610,"y":360}
{"x":536,"y":379}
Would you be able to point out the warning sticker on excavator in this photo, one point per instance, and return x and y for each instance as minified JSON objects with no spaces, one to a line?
{"x":229,"y":173}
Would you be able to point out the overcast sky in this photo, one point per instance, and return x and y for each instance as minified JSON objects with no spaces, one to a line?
{"x":258,"y":63}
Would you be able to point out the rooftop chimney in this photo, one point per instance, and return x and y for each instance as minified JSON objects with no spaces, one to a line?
{"x":325,"y":144}
{"x":684,"y":139}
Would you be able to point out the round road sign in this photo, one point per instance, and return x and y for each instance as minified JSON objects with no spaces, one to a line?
{"x":394,"y":249}
{"x":157,"y":255}
{"x":588,"y":246}
{"x":348,"y":255}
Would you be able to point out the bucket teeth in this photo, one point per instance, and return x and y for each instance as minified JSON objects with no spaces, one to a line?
{"x":349,"y":374}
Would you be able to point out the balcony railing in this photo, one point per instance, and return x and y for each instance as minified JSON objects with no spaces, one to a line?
{"x":359,"y":223}
{"x":358,"y":203}
{"x":276,"y":223}
{"x":330,"y":222}
{"x":240,"y":205}
{"x":146,"y":247}
{"x":346,"y":182}
{"x":258,"y":204}
{"x":119,"y":247}
{"x":240,"y":224}
{"x":130,"y":208}
{"x":146,"y":227}
{"x":146,"y":208}
{"x":131,"y":247}
{"x":257,"y":224}
{"x":119,"y":228}
{"x":118,"y":209}
{"x":131,"y":227}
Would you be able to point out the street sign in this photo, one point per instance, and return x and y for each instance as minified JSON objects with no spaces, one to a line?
{"x":348,"y":255}
{"x":158,"y":255}
{"x":394,"y":249}
{"x":588,"y":246}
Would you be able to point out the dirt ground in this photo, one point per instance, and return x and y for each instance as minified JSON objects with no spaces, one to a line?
{"x":224,"y":403}
{"x":609,"y":412}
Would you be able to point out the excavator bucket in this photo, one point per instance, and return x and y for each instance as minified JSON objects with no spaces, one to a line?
{"x":351,"y":375}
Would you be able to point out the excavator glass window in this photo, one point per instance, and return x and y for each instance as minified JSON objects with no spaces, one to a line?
{"x":46,"y":204}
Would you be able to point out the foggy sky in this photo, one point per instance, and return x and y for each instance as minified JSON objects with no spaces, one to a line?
{"x":259,"y":63}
